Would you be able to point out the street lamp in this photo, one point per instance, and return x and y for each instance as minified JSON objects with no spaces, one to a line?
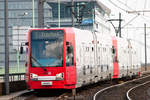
{"x":18,"y":55}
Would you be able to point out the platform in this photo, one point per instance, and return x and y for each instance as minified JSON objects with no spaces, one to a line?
{"x":12,"y":95}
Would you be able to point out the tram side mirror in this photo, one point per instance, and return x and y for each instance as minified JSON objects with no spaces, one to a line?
{"x":67,"y":43}
{"x":113,"y":50}
{"x":68,"y":49}
{"x":27,"y":43}
{"x":21,"y":50}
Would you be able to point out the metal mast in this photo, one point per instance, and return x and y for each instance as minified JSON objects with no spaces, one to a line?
{"x":145,"y":47}
{"x":72,"y":13}
{"x":40,"y":13}
{"x":6,"y":49}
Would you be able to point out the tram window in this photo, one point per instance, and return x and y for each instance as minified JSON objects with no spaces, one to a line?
{"x":102,"y":68}
{"x":91,"y":70}
{"x":92,"y":49}
{"x":88,"y":66}
{"x":87,"y":49}
{"x":84,"y":70}
{"x":96,"y":25}
{"x":113,"y":50}
{"x":115,"y":59}
{"x":98,"y":48}
{"x":69,"y":55}
{"x":107,"y":67}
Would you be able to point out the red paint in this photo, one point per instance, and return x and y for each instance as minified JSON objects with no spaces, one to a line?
{"x":69,"y":72}
{"x":115,"y":64}
{"x":139,"y":73}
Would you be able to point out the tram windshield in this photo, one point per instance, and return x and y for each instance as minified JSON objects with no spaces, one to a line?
{"x":47,"y":48}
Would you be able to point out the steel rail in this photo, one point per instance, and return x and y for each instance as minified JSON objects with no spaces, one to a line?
{"x":128,"y":92}
{"x":94,"y":97}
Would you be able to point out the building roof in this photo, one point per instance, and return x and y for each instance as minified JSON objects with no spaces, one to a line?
{"x":106,"y":9}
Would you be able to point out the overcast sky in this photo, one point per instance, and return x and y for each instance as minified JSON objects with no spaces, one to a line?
{"x":133,"y":22}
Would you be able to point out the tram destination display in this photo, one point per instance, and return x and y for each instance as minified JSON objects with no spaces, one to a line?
{"x":47,"y":34}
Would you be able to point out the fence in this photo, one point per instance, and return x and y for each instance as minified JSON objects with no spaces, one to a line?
{"x":13,"y":77}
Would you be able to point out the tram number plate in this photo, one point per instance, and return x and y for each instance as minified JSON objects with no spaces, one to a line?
{"x":46,"y":83}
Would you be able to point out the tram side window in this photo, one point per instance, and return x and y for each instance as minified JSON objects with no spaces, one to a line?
{"x":113,"y":50}
{"x":69,"y":54}
{"x":114,"y":54}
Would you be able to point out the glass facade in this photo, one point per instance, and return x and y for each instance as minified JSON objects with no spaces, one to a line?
{"x":83,"y":14}
{"x":84,"y":17}
{"x":83,"y":11}
{"x":16,"y":9}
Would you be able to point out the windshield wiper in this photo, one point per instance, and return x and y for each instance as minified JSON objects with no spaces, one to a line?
{"x":39,"y":63}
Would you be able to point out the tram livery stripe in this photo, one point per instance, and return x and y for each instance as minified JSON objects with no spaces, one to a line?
{"x":115,"y":60}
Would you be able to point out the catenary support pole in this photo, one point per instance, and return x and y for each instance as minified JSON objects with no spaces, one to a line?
{"x":145,"y":47}
{"x":72,"y":13}
{"x":33,"y":13}
{"x":58,"y":13}
{"x":119,"y":29}
{"x":6,"y":49}
{"x":40,"y":13}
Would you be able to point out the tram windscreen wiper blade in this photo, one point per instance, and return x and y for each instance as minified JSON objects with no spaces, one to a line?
{"x":39,"y":63}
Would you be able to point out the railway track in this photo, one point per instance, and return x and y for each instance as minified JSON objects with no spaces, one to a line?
{"x":135,"y":92}
{"x":84,"y":93}
{"x":89,"y":92}
{"x":43,"y":95}
{"x":118,"y":91}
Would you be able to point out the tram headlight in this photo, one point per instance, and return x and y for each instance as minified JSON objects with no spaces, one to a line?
{"x":60,"y":76}
{"x":33,"y":76}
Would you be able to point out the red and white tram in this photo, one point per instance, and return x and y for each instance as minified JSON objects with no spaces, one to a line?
{"x":68,"y":58}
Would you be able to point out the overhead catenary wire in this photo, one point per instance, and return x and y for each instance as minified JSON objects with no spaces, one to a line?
{"x":130,"y":21}
{"x":145,"y":19}
{"x":138,"y":13}
{"x":144,"y":6}
{"x":117,"y":6}
{"x":126,"y":12}
{"x":124,"y":4}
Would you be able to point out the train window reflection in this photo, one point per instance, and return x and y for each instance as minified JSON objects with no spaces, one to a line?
{"x":47,"y":51}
